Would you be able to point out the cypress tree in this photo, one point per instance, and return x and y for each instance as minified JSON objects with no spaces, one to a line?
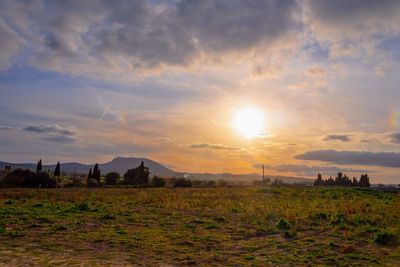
{"x":57,"y":171}
{"x":90,"y":175}
{"x":96,"y":172}
{"x":39,"y":166}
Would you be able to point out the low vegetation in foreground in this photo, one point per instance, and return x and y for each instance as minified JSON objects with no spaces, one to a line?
{"x":203,"y":227}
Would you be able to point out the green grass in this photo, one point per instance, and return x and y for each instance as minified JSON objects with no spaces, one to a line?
{"x":206,"y":227}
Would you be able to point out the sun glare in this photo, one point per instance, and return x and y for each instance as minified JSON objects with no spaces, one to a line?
{"x":249,"y":122}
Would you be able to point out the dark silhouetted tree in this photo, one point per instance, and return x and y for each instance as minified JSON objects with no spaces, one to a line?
{"x":319,"y":180}
{"x":343,"y":180}
{"x":27,"y":178}
{"x":182,"y":182}
{"x":137,"y":176}
{"x":39,"y":167}
{"x":364,"y":181}
{"x":355,"y":182}
{"x":96,"y":173}
{"x":157,"y":181}
{"x":57,"y":171}
{"x":42,"y":179}
{"x":112,"y":178}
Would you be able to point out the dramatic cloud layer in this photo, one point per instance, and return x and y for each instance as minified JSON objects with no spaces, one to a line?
{"x":72,"y":36}
{"x":384,"y":159}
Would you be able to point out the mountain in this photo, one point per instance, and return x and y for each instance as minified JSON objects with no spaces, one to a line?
{"x":119,"y":164}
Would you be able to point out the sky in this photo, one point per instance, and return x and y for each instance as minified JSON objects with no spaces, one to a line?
{"x":87,"y":81}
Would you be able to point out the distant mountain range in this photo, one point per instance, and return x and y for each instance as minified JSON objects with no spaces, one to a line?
{"x":121,"y":165}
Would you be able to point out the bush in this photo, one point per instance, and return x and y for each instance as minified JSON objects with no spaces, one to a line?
{"x":84,"y":206}
{"x":27,"y":178}
{"x":282,"y":224}
{"x":182,"y":182}
{"x":17,"y":178}
{"x":386,"y":239}
{"x":157,"y":181}
{"x":43,"y":179}
{"x":112,"y":178}
{"x":92,"y":182}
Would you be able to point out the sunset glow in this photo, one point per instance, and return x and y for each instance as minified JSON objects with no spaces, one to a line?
{"x":249,"y":122}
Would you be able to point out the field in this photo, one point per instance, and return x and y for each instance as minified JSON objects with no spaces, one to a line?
{"x":203,"y":227}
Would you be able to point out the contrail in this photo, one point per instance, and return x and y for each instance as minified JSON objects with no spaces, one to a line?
{"x":106,"y":110}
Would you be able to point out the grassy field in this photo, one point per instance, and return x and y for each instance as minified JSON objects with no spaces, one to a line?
{"x":206,"y":227}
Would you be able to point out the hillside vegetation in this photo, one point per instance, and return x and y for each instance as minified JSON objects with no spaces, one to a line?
{"x":203,"y":227}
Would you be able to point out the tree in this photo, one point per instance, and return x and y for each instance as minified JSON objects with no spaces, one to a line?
{"x":157,"y":181}
{"x":355,"y":182}
{"x":18,"y":178}
{"x":319,"y":180}
{"x":27,"y":178}
{"x":42,"y":179}
{"x":57,"y":171}
{"x":277,"y":182}
{"x":96,"y":173}
{"x":364,"y":181}
{"x":39,"y":166}
{"x":90,"y":175}
{"x":182,"y":182}
{"x":137,"y":176}
{"x":112,"y":178}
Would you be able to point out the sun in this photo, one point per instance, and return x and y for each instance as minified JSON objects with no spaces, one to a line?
{"x":249,"y":122}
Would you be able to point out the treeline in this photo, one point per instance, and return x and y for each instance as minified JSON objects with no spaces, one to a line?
{"x":135,"y":177}
{"x":343,"y":180}
{"x":28,"y":178}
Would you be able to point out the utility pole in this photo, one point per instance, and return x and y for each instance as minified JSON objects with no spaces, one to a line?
{"x":263,"y":181}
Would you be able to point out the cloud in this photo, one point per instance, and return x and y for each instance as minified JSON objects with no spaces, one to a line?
{"x":316,"y":71}
{"x":86,"y":37}
{"x":60,"y":139}
{"x":338,"y":137}
{"x":5,"y":128}
{"x":347,"y":18}
{"x":395,"y":138}
{"x":199,"y":146}
{"x":383,"y":159}
{"x":53,"y":133}
{"x":213,"y":146}
{"x":268,"y":71}
{"x":53,"y":129}
{"x":10,"y":44}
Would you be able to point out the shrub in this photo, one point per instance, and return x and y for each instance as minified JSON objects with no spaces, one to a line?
{"x":27,"y":178}
{"x":43,"y":179}
{"x":157,"y":181}
{"x":282,"y":224}
{"x":112,"y":178}
{"x":386,"y":239}
{"x":339,"y":219}
{"x":84,"y":206}
{"x":182,"y":182}
{"x":91,"y":182}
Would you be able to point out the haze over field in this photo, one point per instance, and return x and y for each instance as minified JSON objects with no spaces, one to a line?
{"x":301,"y":86}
